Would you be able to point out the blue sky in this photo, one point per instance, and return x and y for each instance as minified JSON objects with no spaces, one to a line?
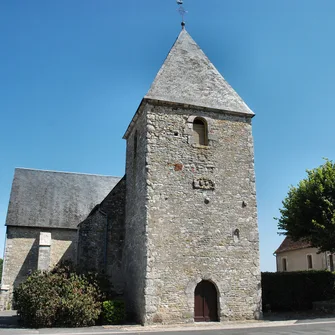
{"x":72,"y":74}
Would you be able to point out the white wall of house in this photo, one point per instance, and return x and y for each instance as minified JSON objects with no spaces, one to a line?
{"x":297,"y":260}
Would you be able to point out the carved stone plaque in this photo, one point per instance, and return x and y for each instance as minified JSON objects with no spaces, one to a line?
{"x":204,"y":183}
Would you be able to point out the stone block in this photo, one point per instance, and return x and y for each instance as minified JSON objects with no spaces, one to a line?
{"x":45,"y":239}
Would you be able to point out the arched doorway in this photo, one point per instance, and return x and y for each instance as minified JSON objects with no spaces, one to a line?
{"x":205,"y":302}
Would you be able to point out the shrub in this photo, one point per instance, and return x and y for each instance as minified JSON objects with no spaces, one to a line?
{"x":113,"y":312}
{"x":101,"y":281}
{"x":36,"y":300}
{"x":287,"y":291}
{"x":79,"y":304}
{"x":57,"y":299}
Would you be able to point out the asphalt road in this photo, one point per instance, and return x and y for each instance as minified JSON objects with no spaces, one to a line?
{"x":309,"y":327}
{"x":312,"y":329}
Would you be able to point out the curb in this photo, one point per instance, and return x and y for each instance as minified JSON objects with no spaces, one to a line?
{"x":201,"y":326}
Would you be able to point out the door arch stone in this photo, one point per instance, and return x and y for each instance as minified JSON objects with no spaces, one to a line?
{"x":205,"y":302}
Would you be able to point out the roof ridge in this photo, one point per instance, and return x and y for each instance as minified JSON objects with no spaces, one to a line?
{"x":288,"y":244}
{"x":67,"y":172}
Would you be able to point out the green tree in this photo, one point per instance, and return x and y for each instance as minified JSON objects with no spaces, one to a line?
{"x":308,"y":211}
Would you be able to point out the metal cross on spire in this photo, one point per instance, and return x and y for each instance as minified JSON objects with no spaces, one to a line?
{"x":182,"y":12}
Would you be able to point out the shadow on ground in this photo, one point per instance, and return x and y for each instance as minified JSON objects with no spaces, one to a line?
{"x":301,"y":315}
{"x":9,"y":319}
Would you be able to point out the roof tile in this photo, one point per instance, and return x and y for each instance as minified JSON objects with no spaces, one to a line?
{"x":288,"y":245}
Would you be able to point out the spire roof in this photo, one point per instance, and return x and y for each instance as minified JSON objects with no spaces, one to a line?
{"x":188,"y":77}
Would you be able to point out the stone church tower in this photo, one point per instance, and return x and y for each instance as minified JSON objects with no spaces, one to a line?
{"x":177,"y":236}
{"x":191,"y":249}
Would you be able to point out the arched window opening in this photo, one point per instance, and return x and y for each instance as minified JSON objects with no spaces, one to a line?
{"x":236,"y":235}
{"x":200,"y":131}
{"x":205,"y":302}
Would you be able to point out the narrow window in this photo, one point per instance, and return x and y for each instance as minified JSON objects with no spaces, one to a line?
{"x":309,"y":262}
{"x":236,"y":235}
{"x":284,"y":264}
{"x":200,"y":132}
{"x":135,"y":144}
{"x":331,"y":263}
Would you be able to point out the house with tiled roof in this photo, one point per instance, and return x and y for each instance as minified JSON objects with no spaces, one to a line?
{"x":300,"y":255}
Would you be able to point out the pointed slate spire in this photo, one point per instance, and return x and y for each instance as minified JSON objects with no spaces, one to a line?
{"x":188,"y":77}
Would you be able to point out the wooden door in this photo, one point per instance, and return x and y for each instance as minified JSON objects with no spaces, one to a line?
{"x":205,"y":302}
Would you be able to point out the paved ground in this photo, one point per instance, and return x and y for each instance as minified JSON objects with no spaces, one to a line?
{"x":298,"y":329}
{"x":314,"y":326}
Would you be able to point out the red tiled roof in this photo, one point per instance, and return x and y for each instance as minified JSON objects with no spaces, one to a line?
{"x":288,"y":244}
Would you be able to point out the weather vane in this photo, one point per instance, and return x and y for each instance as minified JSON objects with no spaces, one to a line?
{"x":182,"y":12}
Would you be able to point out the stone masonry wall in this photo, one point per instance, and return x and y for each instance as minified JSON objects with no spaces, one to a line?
{"x":92,"y":242}
{"x":115,"y":207}
{"x":197,"y":197}
{"x":134,"y":260}
{"x":101,"y":238}
{"x":21,"y":255}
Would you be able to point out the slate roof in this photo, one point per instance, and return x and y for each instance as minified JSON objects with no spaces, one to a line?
{"x":188,"y":77}
{"x":53,"y":199}
{"x":288,"y":245}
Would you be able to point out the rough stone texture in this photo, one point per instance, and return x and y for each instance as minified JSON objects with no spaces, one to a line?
{"x":187,"y":232}
{"x":188,"y":77}
{"x":115,"y":206}
{"x":21,"y":254}
{"x":92,"y":239}
{"x":190,"y":240}
{"x":134,"y":260}
{"x":55,"y":199}
{"x":101,"y":237}
{"x":190,"y":209}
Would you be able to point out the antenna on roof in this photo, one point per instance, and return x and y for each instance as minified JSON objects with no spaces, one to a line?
{"x":182,"y":12}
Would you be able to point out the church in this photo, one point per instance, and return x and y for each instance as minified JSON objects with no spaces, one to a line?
{"x":178,"y":234}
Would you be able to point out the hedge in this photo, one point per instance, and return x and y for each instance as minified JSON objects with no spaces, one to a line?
{"x":296,"y":291}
